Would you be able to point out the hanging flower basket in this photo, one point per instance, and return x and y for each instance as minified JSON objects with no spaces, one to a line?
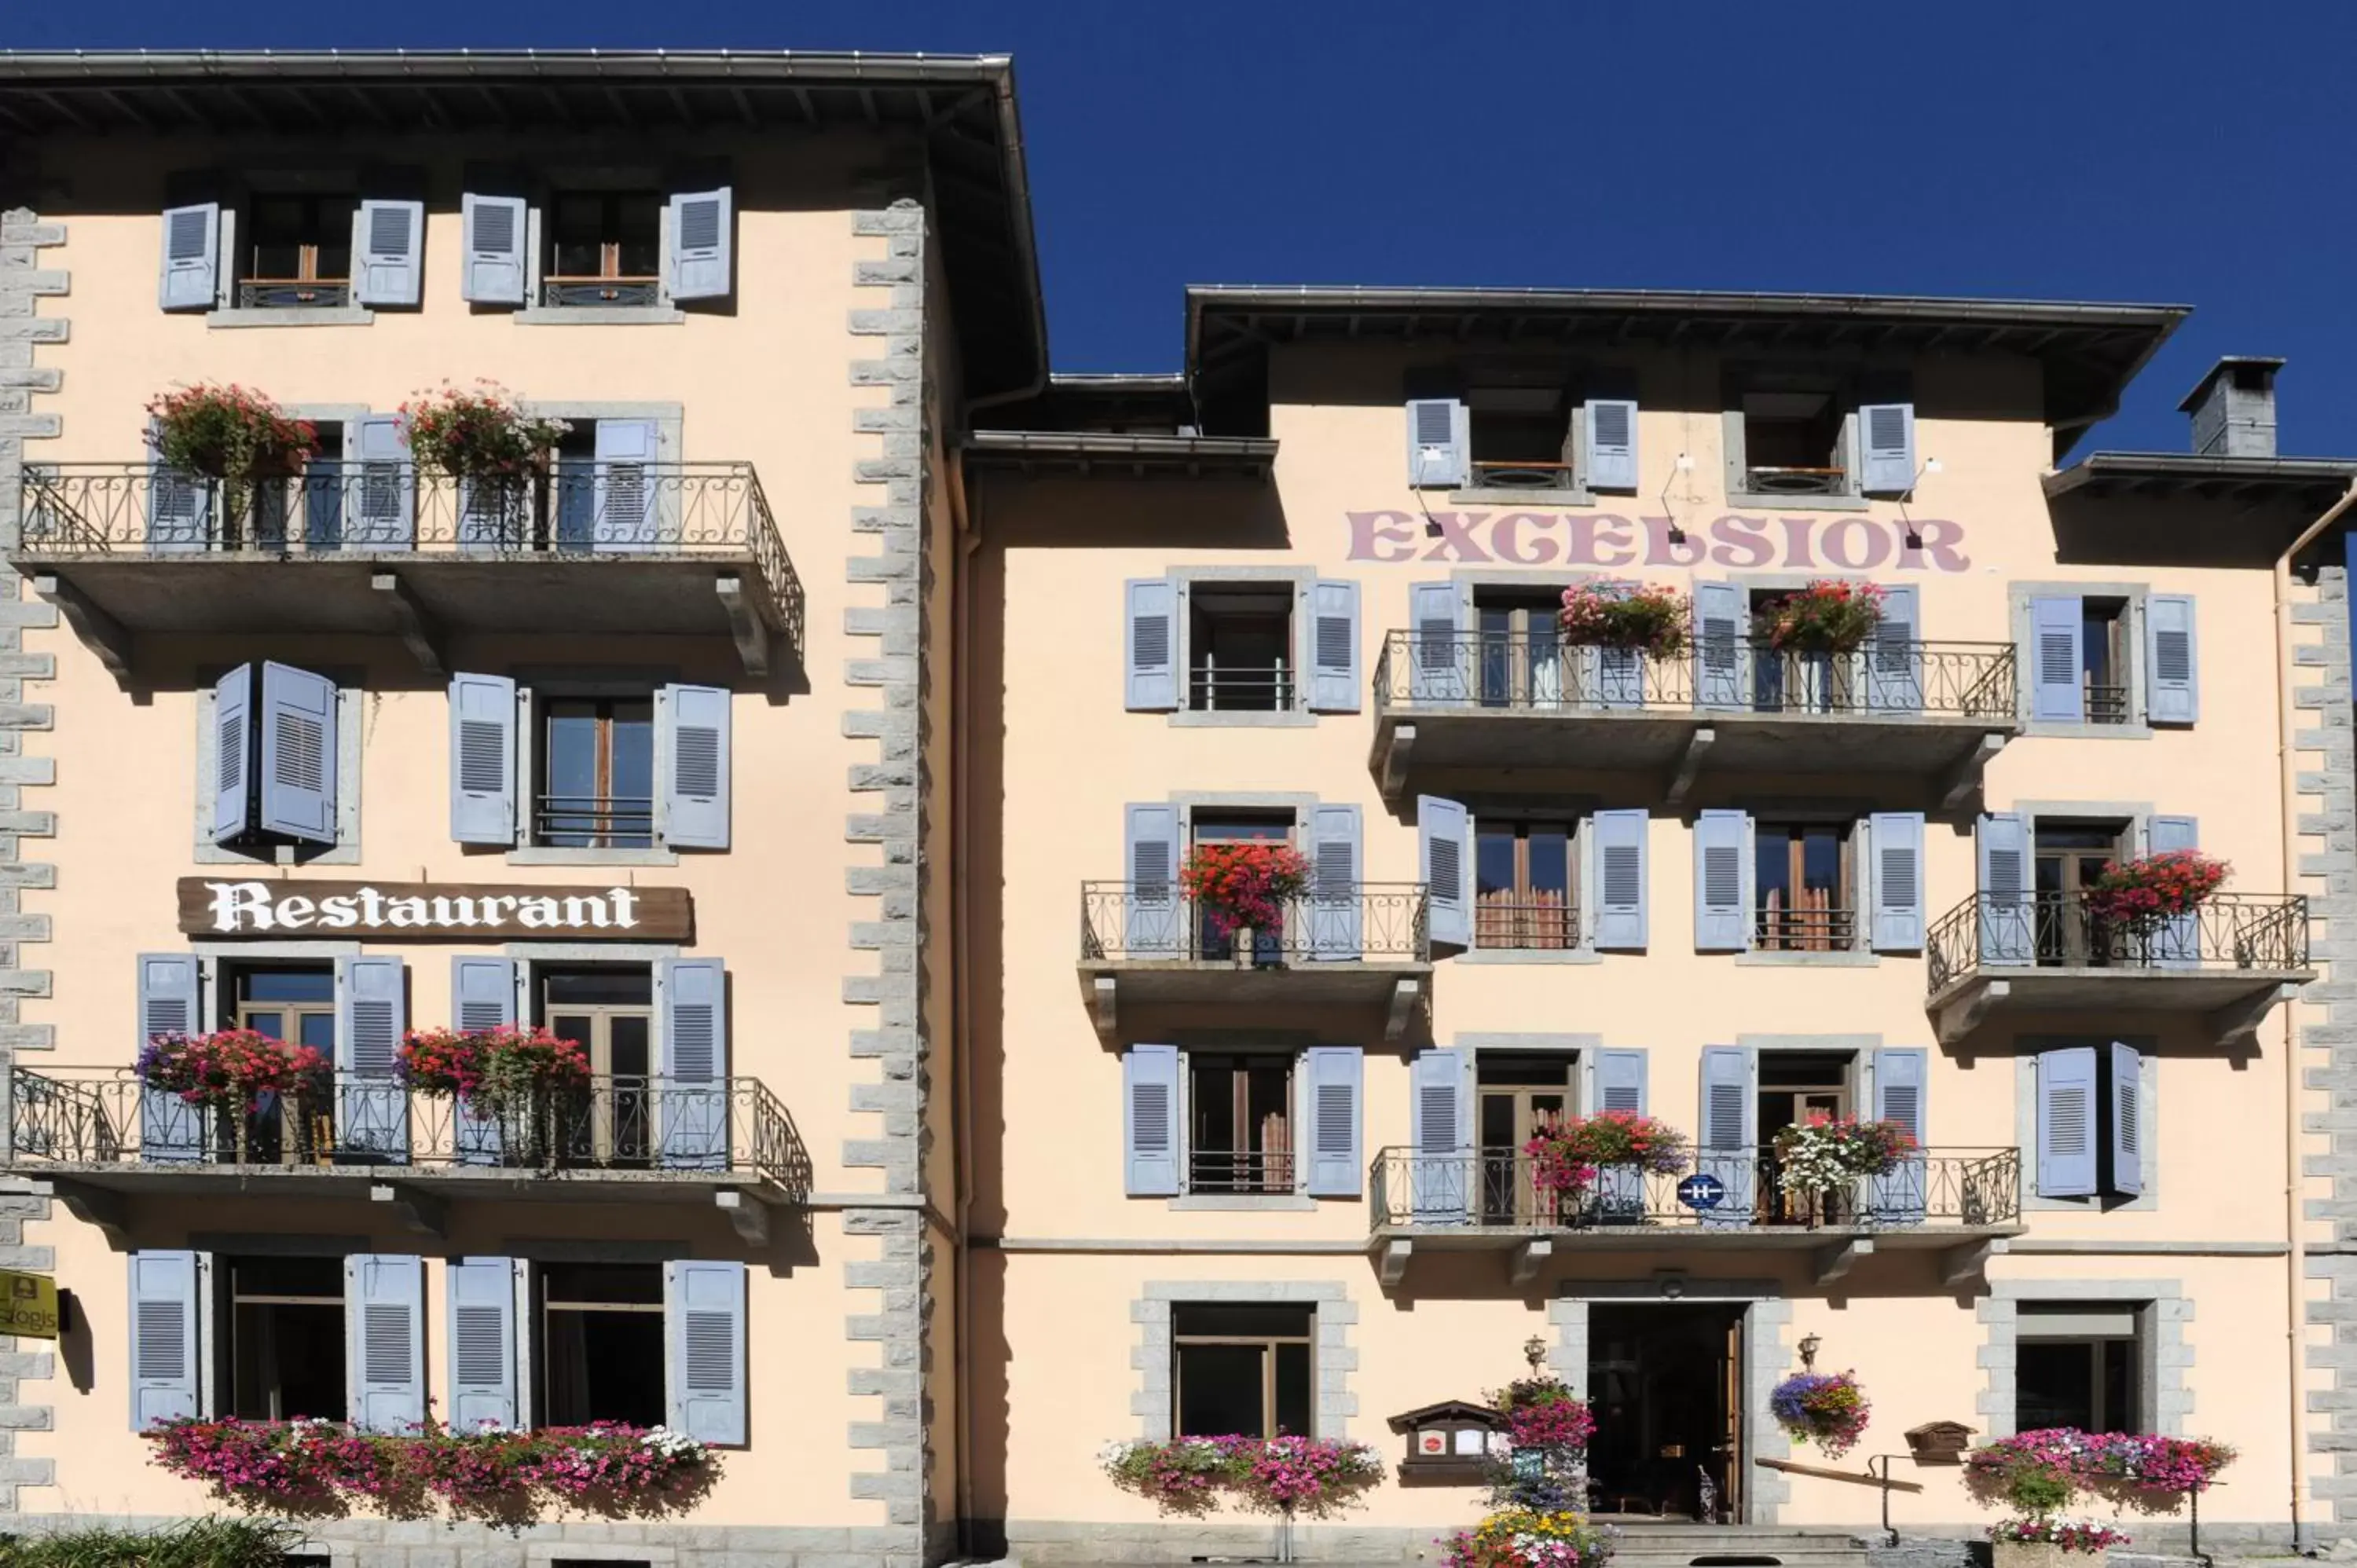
{"x":1245,"y":887}
{"x":229,"y":432}
{"x":2141,"y":892}
{"x":1627,"y":615}
{"x":478,"y":433}
{"x":1828,"y":1409}
{"x":1827,"y":1153}
{"x":228,"y":1069}
{"x":1568,"y":1154}
{"x":1829,"y":616}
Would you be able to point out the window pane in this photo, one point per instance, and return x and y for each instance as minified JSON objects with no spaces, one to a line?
{"x":1238,"y":829}
{"x":287,"y":986}
{"x":2054,"y":1384}
{"x":632,"y":1056}
{"x":333,"y":236}
{"x":1294,"y":1415}
{"x":637,"y":224}
{"x":287,"y":1276}
{"x":286,"y":1362}
{"x":603,"y":1366}
{"x":578,"y":221}
{"x":626,"y":986}
{"x":1821,"y":859}
{"x":1771,"y":863}
{"x":570,"y":772}
{"x":273,"y":1023}
{"x":1212,"y":1096}
{"x":632,"y":784}
{"x":1224,"y":1320}
{"x":2120,"y":1413}
{"x":639,"y":1283}
{"x":1219,"y":1390}
{"x":317,"y":1030}
{"x":279,"y":233}
{"x":1550,"y":860}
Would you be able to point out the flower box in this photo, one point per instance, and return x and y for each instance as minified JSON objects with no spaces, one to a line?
{"x":480,"y":433}
{"x":1627,"y":615}
{"x":1829,"y":616}
{"x":2139,"y":894}
{"x":1828,"y":1154}
{"x":229,"y":432}
{"x":1243,"y":888}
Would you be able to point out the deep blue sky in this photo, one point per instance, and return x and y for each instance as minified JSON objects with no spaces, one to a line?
{"x":2095,"y":149}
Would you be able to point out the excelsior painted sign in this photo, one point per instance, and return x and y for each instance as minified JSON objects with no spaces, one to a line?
{"x":1602,"y":539}
{"x":431,"y":910}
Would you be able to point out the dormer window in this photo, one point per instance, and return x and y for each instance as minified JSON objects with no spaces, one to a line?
{"x":300,"y":254}
{"x":1794,"y":444}
{"x":1521,"y":439}
{"x":605,"y":248}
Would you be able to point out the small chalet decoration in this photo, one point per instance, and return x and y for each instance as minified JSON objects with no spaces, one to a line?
{"x":1939,"y":1441}
{"x":1448,"y":1444}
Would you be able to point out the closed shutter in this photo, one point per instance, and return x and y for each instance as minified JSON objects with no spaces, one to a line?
{"x":2055,"y":625}
{"x":692,"y":740}
{"x":1440,"y":657}
{"x":390,"y":251}
{"x":481,"y":1304}
{"x":179,"y":505}
{"x":1334,"y":908}
{"x":2066,"y":1122}
{"x":1439,"y":443}
{"x":298,"y":754}
{"x":1440,"y":1161}
{"x":2176,"y":942}
{"x":1611,"y":443}
{"x":1887,"y":432}
{"x":482,"y":997}
{"x":704,"y":1333}
{"x":692,"y":1062}
{"x":1333,"y":1074}
{"x":2129,"y":1131}
{"x":1729,"y":1121}
{"x":1444,"y":834}
{"x":482,"y":759}
{"x":1901,"y":1082}
{"x":384,"y":1336}
{"x":1722,"y":866}
{"x":1149,"y":1120}
{"x":1622,"y":878}
{"x":1895,"y":839}
{"x":190,"y":278}
{"x":233,"y":778}
{"x":2007,"y":910}
{"x":1621,"y":1091}
{"x":371,"y":1013}
{"x":1334,"y":645}
{"x":1894,"y":669}
{"x":2172,"y":683}
{"x":623,"y":489}
{"x":1150,"y":644}
{"x":700,"y":244}
{"x":171,"y":1131}
{"x":1720,"y":646}
{"x":1154,"y":920}
{"x":494,"y":234}
{"x":163,"y":1349}
{"x":381,"y":493}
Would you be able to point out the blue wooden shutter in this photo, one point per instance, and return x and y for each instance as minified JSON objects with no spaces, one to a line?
{"x":325,"y":495}
{"x":1611,"y":424}
{"x":390,"y":252}
{"x":179,"y":504}
{"x":623,"y":491}
{"x":1440,"y":1163}
{"x":1887,"y":435}
{"x":2176,"y":942}
{"x":482,"y":997}
{"x":481,"y":1304}
{"x":1730,"y":1130}
{"x":298,"y":720}
{"x":2054,"y":671}
{"x":1440,"y":655}
{"x":1444,"y":836}
{"x":1895,"y":839}
{"x":1721,"y":897}
{"x":1901,"y":1082}
{"x":2066,"y":1122}
{"x":1623,"y":922}
{"x":1334,"y":907}
{"x":192,"y":264}
{"x":232,"y":781}
{"x":1153,"y":919}
{"x":495,"y":227}
{"x":171,"y":1131}
{"x":163,"y":1351}
{"x":1894,"y":671}
{"x":371,"y":1013}
{"x":2173,"y":690}
{"x":482,"y":759}
{"x":1333,"y":1074}
{"x":381,"y":490}
{"x":691,"y":736}
{"x":1150,"y":1120}
{"x":704,"y":1333}
{"x":1150,"y":643}
{"x":1619,"y":1087}
{"x":2007,"y":909}
{"x":2128,"y":1130}
{"x":691,"y":1060}
{"x":1439,"y":443}
{"x":1334,"y":645}
{"x":700,"y":244}
{"x":384,"y":1336}
{"x":1721,"y":646}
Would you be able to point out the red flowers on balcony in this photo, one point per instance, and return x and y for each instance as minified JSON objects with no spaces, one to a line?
{"x":1829,"y":616}
{"x":2154,"y":887}
{"x":229,"y":432}
{"x":1567,"y":1152}
{"x":478,"y":433}
{"x":1245,"y":887}
{"x":1627,"y":615}
{"x":492,"y":1067}
{"x":229,"y":1069}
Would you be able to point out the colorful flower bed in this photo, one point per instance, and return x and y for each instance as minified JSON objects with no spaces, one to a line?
{"x":1627,"y":615}
{"x":1531,"y":1537}
{"x":1244,"y":886}
{"x":1313,"y":1475}
{"x":1567,"y":1152}
{"x":230,"y":1068}
{"x":2070,"y":1534}
{"x":2042,"y":1470}
{"x":1829,"y":616}
{"x":1825,"y":1153}
{"x":2154,"y":887}
{"x":1828,"y":1409}
{"x":229,"y":432}
{"x":476,"y":432}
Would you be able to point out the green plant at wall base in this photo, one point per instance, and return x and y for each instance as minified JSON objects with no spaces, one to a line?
{"x":197,"y":1543}
{"x":476,"y":432}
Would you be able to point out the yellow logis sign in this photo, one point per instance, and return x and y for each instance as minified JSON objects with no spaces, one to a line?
{"x":28,"y":1305}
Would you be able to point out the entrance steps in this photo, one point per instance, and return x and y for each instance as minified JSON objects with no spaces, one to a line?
{"x":1682,"y":1544}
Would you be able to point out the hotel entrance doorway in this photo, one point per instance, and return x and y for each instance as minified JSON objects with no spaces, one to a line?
{"x":1666,"y":1380}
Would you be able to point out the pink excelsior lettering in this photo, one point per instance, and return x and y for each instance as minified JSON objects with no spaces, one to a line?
{"x":1609,"y":541}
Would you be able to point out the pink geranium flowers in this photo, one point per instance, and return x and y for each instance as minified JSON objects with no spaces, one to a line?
{"x":1312,"y":1476}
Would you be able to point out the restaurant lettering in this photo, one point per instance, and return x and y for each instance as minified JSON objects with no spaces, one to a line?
{"x":256,"y":907}
{"x":1602,"y":539}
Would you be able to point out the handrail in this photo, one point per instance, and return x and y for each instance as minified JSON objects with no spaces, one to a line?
{"x":2068,"y":930}
{"x":1375,"y":922}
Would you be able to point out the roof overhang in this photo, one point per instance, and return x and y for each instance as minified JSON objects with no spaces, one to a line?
{"x":2308,"y":484}
{"x":1108,"y":454}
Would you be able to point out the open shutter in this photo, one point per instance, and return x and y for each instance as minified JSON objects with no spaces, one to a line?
{"x":1902,"y":1079}
{"x":1722,"y":904}
{"x":2172,"y":685}
{"x":495,"y":230}
{"x":482,"y":759}
{"x":1335,"y":922}
{"x":1896,"y":840}
{"x":384,"y":1336}
{"x":322,"y":498}
{"x":482,"y":997}
{"x":1444,"y":834}
{"x":164,"y":1286}
{"x":1153,"y":917}
{"x":1439,"y":443}
{"x":692,"y":1062}
{"x":1730,"y":1122}
{"x":1622,"y":878}
{"x":2127,"y":1120}
{"x":703,"y":1335}
{"x":1149,"y":1100}
{"x":2176,"y":942}
{"x":1333,"y":1074}
{"x":171,"y":1131}
{"x":1894,"y":671}
{"x":1619,"y":1088}
{"x":1440,"y":656}
{"x":1611,"y":443}
{"x":390,"y":246}
{"x":1720,"y":623}
{"x":2054,"y":629}
{"x":623,"y":490}
{"x":1334,"y":645}
{"x":1441,"y":1163}
{"x":700,"y":262}
{"x":483,"y":1295}
{"x":1887,"y":431}
{"x":1150,"y":637}
{"x":381,"y":492}
{"x":371,"y":1012}
{"x":192,"y":272}
{"x":692,"y":742}
{"x":2007,"y":913}
{"x":2066,"y":1122}
{"x":232,"y":780}
{"x":298,"y":754}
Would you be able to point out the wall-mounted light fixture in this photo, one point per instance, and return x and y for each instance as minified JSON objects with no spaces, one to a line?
{"x":1808,"y":1348}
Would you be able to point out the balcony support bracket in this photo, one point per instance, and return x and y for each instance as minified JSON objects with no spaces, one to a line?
{"x":1395,"y":761}
{"x":1690,"y":763}
{"x":1960,"y":1266}
{"x":422,"y":1212}
{"x":416,"y":629}
{"x":745,"y":623}
{"x":1407,"y":997}
{"x":1103,"y":993}
{"x":1964,"y":780}
{"x":2236,"y":1026}
{"x":1961,"y":1017}
{"x":110,"y":1211}
{"x":1835,"y":1261}
{"x":1393,"y":1263}
{"x":100,"y":632}
{"x":1523,"y":1265}
{"x":747,"y":1215}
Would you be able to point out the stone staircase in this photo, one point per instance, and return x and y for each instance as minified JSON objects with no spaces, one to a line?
{"x":1644,"y":1544}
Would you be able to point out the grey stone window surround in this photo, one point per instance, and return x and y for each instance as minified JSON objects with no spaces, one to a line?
{"x":1582,"y":1047}
{"x":2163,"y":1311}
{"x":1332,"y":1359}
{"x":352,"y":700}
{"x":1859,"y":1048}
{"x":534,"y":681}
{"x":597,"y":316}
{"x":1300,"y":715}
{"x":1576,"y":494}
{"x":1732,"y":438}
{"x":1861,"y":953}
{"x":2024,"y":1122}
{"x":1274,"y":1042}
{"x":587,"y":177}
{"x":1575,"y":810}
{"x":226,"y":312}
{"x":211,"y":957}
{"x":2018,"y":596}
{"x":288,"y":315}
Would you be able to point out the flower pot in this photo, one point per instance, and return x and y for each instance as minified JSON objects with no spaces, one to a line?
{"x":2035,"y":1555}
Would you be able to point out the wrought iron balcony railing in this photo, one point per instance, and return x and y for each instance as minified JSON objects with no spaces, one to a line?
{"x":1254,"y":1171}
{"x":600,"y":293}
{"x":1474,"y":670}
{"x":1372,"y":922}
{"x":294,"y":294}
{"x":594,"y":821}
{"x":1534,"y":476}
{"x":2065,"y":931}
{"x":1241,"y":689}
{"x":1747,"y":1188}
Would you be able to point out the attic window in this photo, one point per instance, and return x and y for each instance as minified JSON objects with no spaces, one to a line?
{"x":1792,"y":444}
{"x":1520,"y":438}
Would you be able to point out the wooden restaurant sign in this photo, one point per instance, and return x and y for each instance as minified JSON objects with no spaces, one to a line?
{"x":425,"y":910}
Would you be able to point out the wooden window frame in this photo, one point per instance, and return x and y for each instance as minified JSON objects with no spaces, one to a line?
{"x":1267,"y":1344}
{"x":609,"y":1092}
{"x":548,"y":708}
{"x":609,"y":249}
{"x":1522,"y":922}
{"x":1793,"y":930}
{"x":307,"y":251}
{"x":1280,"y":1172}
{"x":231,"y":1348}
{"x":540,"y":1337}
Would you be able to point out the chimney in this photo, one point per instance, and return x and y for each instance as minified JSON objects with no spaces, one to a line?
{"x":2233,"y":409}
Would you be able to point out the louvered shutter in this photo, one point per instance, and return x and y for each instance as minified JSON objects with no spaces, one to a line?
{"x":1439,"y":443}
{"x":232,"y":780}
{"x":298,"y":754}
{"x":2176,"y":942}
{"x":381,"y":491}
{"x":481,"y":1304}
{"x":1894,"y":667}
{"x":163,"y":1351}
{"x":191,"y":279}
{"x":2007,"y":910}
{"x":171,"y":1131}
{"x":482,"y":997}
{"x":2066,"y":1122}
{"x":692,"y":740}
{"x":2129,"y":1131}
{"x":1895,"y":839}
{"x":2172,"y":685}
{"x":692,"y":1060}
{"x":1150,"y":643}
{"x":1334,"y":645}
{"x":703,"y":1330}
{"x":1901,"y":1082}
{"x":482,"y":759}
{"x":1620,"y":1087}
{"x":1154,"y":917}
{"x":623,"y":491}
{"x":179,"y":505}
{"x":1334,"y":907}
{"x":371,"y":1012}
{"x":2054,"y":671}
{"x":1444,"y":834}
{"x":1623,"y":922}
{"x":1722,"y":875}
{"x":324,"y":494}
{"x":1721,"y":647}
{"x":1730,"y":1120}
{"x":1611,"y":443}
{"x":1441,"y":1161}
{"x":700,"y":244}
{"x":1333,"y":1074}
{"x":389,"y":253}
{"x":1149,"y":1101}
{"x":384,"y":1336}
{"x":1886,"y":432}
{"x":1440,"y":656}
{"x":495,"y":227}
